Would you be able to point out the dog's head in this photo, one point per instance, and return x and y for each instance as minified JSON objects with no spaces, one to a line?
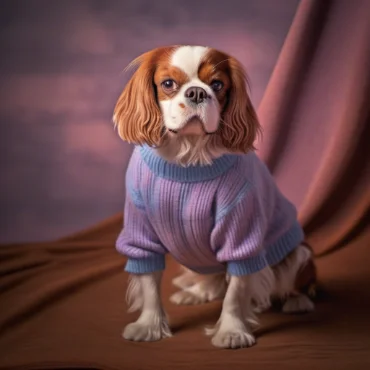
{"x":184,"y":91}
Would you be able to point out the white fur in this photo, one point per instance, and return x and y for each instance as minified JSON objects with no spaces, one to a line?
{"x":296,"y":303}
{"x":284,"y":275}
{"x":286,"y":272}
{"x":191,"y":150}
{"x":144,"y":294}
{"x":186,"y":279}
{"x":243,"y":296}
{"x":188,"y":59}
{"x":205,"y":288}
{"x":233,"y":329}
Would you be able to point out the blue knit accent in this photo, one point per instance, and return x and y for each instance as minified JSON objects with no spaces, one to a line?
{"x":229,"y":207}
{"x":132,"y":190}
{"x":135,"y":196}
{"x":146,"y":265}
{"x":271,"y":256}
{"x":196,"y":173}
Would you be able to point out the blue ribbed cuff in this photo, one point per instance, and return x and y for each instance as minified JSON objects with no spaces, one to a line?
{"x":247,"y":266}
{"x":285,"y":245}
{"x":146,"y":265}
{"x":271,"y":256}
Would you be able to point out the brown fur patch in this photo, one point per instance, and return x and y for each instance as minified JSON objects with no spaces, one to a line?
{"x":215,"y":67}
{"x":239,"y":123}
{"x":137,"y":115}
{"x":165,"y":72}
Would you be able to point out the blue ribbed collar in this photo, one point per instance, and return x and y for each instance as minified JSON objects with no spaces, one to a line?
{"x":197,"y":173}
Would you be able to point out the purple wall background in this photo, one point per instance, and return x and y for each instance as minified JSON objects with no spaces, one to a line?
{"x":62,"y":165}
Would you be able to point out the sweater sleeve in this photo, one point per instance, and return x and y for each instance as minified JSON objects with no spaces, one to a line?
{"x":138,"y":240}
{"x":238,"y":233}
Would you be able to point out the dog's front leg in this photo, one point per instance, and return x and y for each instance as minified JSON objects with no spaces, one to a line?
{"x":144,"y":293}
{"x":232,"y":329}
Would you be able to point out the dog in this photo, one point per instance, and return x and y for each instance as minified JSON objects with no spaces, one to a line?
{"x":196,"y":189}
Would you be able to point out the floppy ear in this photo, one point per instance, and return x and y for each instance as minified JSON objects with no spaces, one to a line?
{"x":137,"y":115}
{"x":239,"y":124}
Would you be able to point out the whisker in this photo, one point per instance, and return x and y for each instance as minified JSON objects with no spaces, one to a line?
{"x":214,"y":67}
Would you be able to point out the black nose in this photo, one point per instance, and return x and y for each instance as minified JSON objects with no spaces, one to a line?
{"x":196,"y":94}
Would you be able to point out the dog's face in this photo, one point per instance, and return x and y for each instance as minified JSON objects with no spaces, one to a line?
{"x":192,"y":91}
{"x":187,"y":90}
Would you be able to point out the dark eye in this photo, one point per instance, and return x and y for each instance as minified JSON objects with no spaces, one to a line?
{"x":217,"y":85}
{"x":169,"y":85}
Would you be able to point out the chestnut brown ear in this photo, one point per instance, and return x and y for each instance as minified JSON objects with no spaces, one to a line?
{"x":239,"y":124}
{"x":137,"y":116}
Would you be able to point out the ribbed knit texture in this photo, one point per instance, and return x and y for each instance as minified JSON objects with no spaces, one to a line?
{"x":226,"y":216}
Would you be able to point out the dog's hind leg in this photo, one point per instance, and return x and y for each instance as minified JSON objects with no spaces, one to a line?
{"x":198,"y":289}
{"x":286,"y":274}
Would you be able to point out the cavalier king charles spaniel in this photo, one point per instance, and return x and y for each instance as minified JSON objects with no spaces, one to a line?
{"x":195,"y":189}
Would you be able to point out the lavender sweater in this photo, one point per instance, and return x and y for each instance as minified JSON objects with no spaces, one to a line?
{"x":228,"y":216}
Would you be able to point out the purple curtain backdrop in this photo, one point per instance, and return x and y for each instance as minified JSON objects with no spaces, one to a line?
{"x":315,"y":114}
{"x":61,"y":64}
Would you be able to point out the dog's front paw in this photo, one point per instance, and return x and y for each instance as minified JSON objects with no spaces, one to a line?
{"x":146,"y":332}
{"x":231,"y":333}
{"x":233,"y":339}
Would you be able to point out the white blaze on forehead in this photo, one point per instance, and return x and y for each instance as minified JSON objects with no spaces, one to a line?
{"x":188,"y":59}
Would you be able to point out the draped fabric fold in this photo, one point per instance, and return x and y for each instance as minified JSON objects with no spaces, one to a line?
{"x":315,"y":115}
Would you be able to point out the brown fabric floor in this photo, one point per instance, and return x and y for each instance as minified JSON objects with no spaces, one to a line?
{"x":63,"y":305}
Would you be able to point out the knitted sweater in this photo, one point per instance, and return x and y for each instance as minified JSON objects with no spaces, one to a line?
{"x":228,"y":216}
